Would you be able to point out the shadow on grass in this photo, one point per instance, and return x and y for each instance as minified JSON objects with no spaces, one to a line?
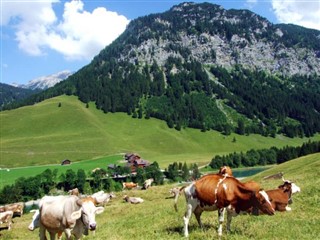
{"x":191,"y":228}
{"x":3,"y":228}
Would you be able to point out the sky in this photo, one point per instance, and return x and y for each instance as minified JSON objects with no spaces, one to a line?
{"x":43,"y":37}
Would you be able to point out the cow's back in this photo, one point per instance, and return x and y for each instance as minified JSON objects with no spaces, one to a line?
{"x":206,"y":188}
{"x":55,"y":215}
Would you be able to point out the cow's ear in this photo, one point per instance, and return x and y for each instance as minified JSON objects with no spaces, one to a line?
{"x":76,"y":215}
{"x":99,"y":210}
{"x":79,"y":202}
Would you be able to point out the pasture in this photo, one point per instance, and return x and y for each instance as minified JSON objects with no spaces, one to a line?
{"x":9,"y":177}
{"x":45,"y":134}
{"x":155,"y":218}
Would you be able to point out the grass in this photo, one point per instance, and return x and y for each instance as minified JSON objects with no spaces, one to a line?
{"x":45,"y":134}
{"x":9,"y":177}
{"x":156,"y":218}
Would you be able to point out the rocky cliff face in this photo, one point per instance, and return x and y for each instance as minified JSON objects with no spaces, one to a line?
{"x":212,"y":35}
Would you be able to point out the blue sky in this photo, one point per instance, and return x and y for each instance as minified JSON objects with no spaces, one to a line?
{"x":43,"y":37}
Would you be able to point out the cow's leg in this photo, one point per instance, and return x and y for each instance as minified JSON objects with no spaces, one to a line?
{"x":52,"y":236}
{"x":221,"y":219}
{"x":197,"y":212}
{"x":191,"y":205}
{"x":229,"y":219}
{"x":288,"y":208}
{"x":230,"y":213}
{"x":9,"y":224}
{"x":68,"y":234}
{"x":42,"y":233}
{"x":60,"y":235}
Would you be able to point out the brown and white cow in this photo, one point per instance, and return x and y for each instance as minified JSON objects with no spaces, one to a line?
{"x":6,"y":217}
{"x":282,"y":196}
{"x":129,"y":185}
{"x":216,"y":192}
{"x":133,"y":200}
{"x":147,"y":183}
{"x":68,"y":214}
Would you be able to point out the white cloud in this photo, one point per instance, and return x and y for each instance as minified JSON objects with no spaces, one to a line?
{"x":251,"y":3}
{"x":304,"y":13}
{"x":78,"y":35}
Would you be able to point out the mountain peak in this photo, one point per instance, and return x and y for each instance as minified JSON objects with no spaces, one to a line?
{"x":48,"y":81}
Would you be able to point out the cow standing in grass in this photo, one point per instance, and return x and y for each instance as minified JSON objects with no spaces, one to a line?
{"x":216,"y":192}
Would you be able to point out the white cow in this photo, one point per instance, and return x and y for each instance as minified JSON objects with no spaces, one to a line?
{"x":133,"y":200}
{"x":68,"y":214}
{"x":102,"y":198}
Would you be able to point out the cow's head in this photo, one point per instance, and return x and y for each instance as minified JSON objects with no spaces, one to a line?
{"x":294,"y":187}
{"x":289,"y":187}
{"x":262,"y":202}
{"x":35,"y":223}
{"x":88,"y":214}
{"x":225,"y":170}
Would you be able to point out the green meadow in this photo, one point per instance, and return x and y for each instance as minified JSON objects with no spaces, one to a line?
{"x":35,"y":138}
{"x":10,"y":176}
{"x":45,"y":134}
{"x":156,"y":218}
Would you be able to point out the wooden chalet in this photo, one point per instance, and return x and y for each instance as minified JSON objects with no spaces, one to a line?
{"x":134,"y":161}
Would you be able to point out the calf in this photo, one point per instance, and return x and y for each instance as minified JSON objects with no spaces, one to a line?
{"x":6,"y":217}
{"x":133,"y":200}
{"x":215,"y":192}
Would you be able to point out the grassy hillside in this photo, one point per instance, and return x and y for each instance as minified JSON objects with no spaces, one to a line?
{"x":46,"y":134}
{"x":156,"y":218}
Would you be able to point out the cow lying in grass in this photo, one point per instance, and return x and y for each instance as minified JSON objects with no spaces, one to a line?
{"x":133,"y":200}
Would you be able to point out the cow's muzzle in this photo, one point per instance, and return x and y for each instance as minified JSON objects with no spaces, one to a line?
{"x":92,"y":226}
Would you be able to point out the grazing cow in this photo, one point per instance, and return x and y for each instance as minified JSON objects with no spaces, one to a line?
{"x":216,"y":192}
{"x":147,"y":183}
{"x":129,"y":185}
{"x":68,"y":214}
{"x":6,"y":217}
{"x":35,"y":223}
{"x":225,"y":170}
{"x":16,"y":208}
{"x":133,"y":200}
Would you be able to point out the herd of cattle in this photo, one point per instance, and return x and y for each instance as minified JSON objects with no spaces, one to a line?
{"x":74,"y":214}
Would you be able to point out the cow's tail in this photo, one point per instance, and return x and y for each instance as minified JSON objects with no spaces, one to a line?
{"x":177,"y":197}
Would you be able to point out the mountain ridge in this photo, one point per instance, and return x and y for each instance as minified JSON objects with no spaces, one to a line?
{"x":201,"y":66}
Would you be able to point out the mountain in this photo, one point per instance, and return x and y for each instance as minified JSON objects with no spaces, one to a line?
{"x":46,"y":82}
{"x":201,"y":66}
{"x":10,"y":93}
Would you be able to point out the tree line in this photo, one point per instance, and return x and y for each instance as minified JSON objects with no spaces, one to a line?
{"x":263,"y":157}
{"x":49,"y":183}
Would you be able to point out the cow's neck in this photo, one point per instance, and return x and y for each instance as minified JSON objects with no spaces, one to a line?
{"x":244,"y":199}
